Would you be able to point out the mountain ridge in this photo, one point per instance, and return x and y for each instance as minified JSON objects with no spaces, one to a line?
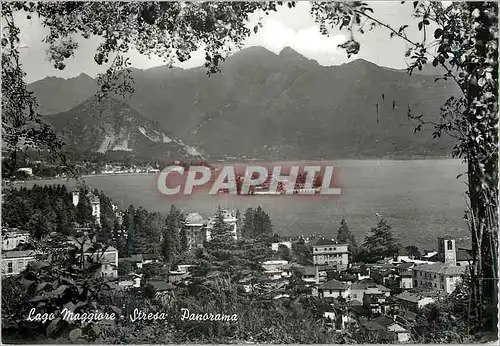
{"x":285,"y":106}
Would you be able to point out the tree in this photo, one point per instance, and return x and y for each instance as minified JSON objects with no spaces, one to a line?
{"x":221,"y":236}
{"x":465,"y":44}
{"x":344,"y":236}
{"x":256,"y":222}
{"x":412,"y":251}
{"x":465,"y":35}
{"x":380,"y":244}
{"x":171,"y":244}
{"x":84,"y":215}
{"x":284,"y":252}
{"x":129,"y":224}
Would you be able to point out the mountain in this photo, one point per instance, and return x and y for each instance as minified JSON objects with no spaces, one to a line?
{"x":286,"y":106}
{"x":110,"y":125}
{"x":57,"y":95}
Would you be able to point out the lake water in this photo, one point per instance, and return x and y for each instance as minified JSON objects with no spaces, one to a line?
{"x":421,"y":199}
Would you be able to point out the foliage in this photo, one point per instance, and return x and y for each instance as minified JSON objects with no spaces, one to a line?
{"x":462,"y":39}
{"x":380,"y":244}
{"x":65,"y":277}
{"x":256,"y":222}
{"x":344,"y":236}
{"x":172,"y":243}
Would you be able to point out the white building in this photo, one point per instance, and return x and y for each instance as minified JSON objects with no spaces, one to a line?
{"x":334,"y":289}
{"x":194,"y":230}
{"x":275,"y":246}
{"x":94,"y":203}
{"x":14,"y":262}
{"x":437,"y":276}
{"x":11,"y":238}
{"x":328,"y":252}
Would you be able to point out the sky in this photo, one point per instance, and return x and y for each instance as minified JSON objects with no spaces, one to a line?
{"x":288,"y":27}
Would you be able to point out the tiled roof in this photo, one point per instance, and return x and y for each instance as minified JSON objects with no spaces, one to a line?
{"x":323,"y":242}
{"x":441,"y":268}
{"x":161,"y":285}
{"x":405,"y":265}
{"x":411,"y":296}
{"x":333,"y":285}
{"x":18,"y":254}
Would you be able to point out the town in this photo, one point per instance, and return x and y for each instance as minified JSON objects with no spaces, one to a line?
{"x":381,"y":297}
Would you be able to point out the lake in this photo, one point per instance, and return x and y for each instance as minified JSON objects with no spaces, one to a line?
{"x":421,"y":199}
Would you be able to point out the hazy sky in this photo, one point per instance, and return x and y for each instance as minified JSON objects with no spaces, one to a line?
{"x":288,"y":27}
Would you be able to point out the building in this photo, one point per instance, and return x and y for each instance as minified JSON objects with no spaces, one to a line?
{"x":275,"y":246}
{"x":402,"y":334}
{"x":375,"y":302}
{"x":96,"y":207}
{"x":197,"y":230}
{"x":95,"y":204}
{"x":12,"y":237}
{"x":194,"y":230}
{"x":412,"y":301}
{"x":291,"y":268}
{"x":328,"y":252}
{"x":333,"y":289}
{"x":14,"y":262}
{"x":406,"y":280}
{"x":360,"y":288}
{"x":447,"y":252}
{"x":437,"y":276}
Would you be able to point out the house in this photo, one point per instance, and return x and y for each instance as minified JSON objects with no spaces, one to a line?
{"x":275,"y":246}
{"x":375,"y":302}
{"x":360,"y":270}
{"x":94,"y":203}
{"x":384,"y":277}
{"x":412,"y":301}
{"x":406,"y":280}
{"x":333,"y":289}
{"x":402,"y":334}
{"x":132,"y":280}
{"x":328,"y":252}
{"x":194,"y":230}
{"x":291,"y":268}
{"x":310,"y":274}
{"x":14,"y":262}
{"x":341,"y":314}
{"x":360,"y":288}
{"x":12,"y":237}
{"x":274,"y":265}
{"x":437,"y":276}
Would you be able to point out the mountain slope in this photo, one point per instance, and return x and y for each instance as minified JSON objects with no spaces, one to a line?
{"x":113,"y":126}
{"x":286,"y":106}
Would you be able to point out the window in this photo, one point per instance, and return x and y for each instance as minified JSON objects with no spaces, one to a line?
{"x":434,"y":276}
{"x":331,"y":292}
{"x":450,"y":245}
{"x":416,"y":283}
{"x":420,"y":273}
{"x":9,"y":267}
{"x":334,"y":249}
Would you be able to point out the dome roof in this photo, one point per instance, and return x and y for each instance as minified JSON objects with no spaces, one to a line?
{"x":193,"y":217}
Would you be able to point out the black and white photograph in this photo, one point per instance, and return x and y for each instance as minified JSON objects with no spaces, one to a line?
{"x":259,"y":172}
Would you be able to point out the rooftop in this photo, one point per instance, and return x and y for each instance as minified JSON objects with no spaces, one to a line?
{"x":412,"y":297}
{"x":441,"y":268}
{"x":333,"y":285}
{"x":18,"y":254}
